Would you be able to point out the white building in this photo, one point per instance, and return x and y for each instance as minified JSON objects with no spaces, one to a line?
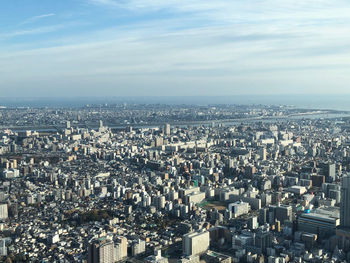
{"x":195,"y":243}
{"x":3,"y":248}
{"x":10,"y":173}
{"x":138,"y":247}
{"x":121,"y":248}
{"x":195,"y":197}
{"x":3,"y":212}
{"x":239,"y":208}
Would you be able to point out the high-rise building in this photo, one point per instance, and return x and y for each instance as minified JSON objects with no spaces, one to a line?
{"x":263,"y":216}
{"x":345,"y":202}
{"x":283,"y":212}
{"x":121,"y":248}
{"x":329,"y":170}
{"x":167,"y":129}
{"x":3,"y":248}
{"x":68,"y":125}
{"x":101,"y":251}
{"x":3,"y":212}
{"x":263,"y":154}
{"x":159,"y":141}
{"x":253,"y":222}
{"x":263,"y":238}
{"x":343,"y":231}
{"x":195,"y":243}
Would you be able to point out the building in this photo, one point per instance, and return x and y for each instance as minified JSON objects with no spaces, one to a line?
{"x":138,"y":247}
{"x":246,"y":238}
{"x":329,"y":170}
{"x":283,"y":212}
{"x":322,"y":222}
{"x":10,"y":173}
{"x":263,"y":238}
{"x":195,"y":197}
{"x":121,"y":248}
{"x":253,"y":222}
{"x":263,"y":153}
{"x":195,"y":243}
{"x":159,"y":141}
{"x":53,"y":238}
{"x":3,"y":248}
{"x":239,"y":208}
{"x":263,"y":216}
{"x":167,"y":129}
{"x":156,"y":258}
{"x":101,"y":251}
{"x":343,"y":232}
{"x":345,"y":203}
{"x":280,"y":213}
{"x":215,"y":257}
{"x":3,"y":212}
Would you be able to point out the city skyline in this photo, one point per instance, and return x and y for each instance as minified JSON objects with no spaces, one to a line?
{"x":173,"y":48}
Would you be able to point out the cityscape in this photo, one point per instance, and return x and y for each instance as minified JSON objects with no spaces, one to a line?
{"x":217,"y":183}
{"x":174,"y":131}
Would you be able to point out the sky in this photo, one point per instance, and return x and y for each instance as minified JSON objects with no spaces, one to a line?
{"x":63,"y":48}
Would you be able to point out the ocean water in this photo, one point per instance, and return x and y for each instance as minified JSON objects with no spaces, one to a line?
{"x":305,"y":101}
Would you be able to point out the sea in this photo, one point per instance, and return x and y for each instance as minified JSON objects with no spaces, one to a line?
{"x":305,"y":101}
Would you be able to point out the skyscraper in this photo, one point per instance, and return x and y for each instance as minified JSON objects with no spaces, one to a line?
{"x":343,"y":231}
{"x":345,"y":202}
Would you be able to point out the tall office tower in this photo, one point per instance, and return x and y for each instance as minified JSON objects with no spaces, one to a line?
{"x":343,"y":231}
{"x":167,"y":129}
{"x":330,"y":171}
{"x":101,"y":251}
{"x":195,"y":243}
{"x":345,"y":202}
{"x":101,"y":124}
{"x":263,"y":216}
{"x":68,"y":125}
{"x":3,"y":212}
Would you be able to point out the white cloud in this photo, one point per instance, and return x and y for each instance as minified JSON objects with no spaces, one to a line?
{"x":36,"y":18}
{"x":32,"y":31}
{"x":206,"y":47}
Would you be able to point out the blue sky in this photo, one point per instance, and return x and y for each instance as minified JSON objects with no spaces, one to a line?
{"x":182,"y":47}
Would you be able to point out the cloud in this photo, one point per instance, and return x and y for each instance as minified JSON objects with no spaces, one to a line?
{"x":32,"y":31}
{"x":205,"y":47}
{"x":36,"y":18}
